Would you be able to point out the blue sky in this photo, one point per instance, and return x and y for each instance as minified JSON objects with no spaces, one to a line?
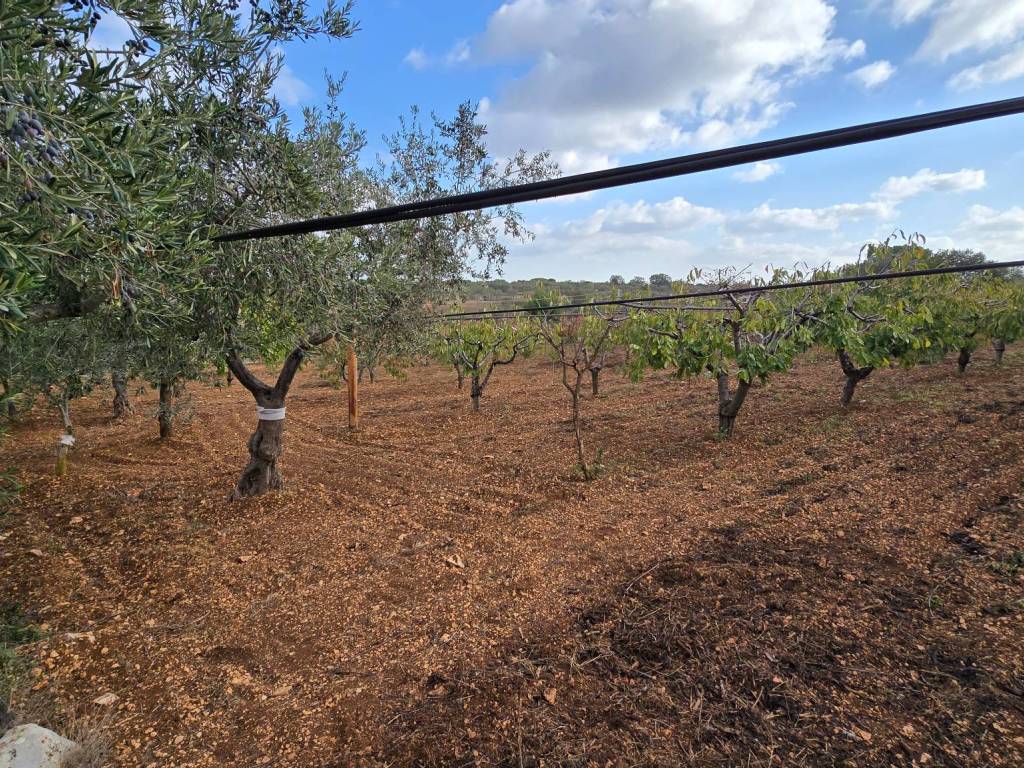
{"x":607,"y":82}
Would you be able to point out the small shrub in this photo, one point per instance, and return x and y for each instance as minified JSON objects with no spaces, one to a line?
{"x":1011,"y":564}
{"x":14,"y":631}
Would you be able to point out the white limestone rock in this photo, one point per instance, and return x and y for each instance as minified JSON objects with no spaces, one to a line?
{"x":32,"y":746}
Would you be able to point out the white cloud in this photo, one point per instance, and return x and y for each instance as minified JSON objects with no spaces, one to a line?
{"x":904,"y":11}
{"x":999,"y":70}
{"x":897,"y":188}
{"x":671,"y":215}
{"x":998,"y":234}
{"x":289,"y":88}
{"x":971,"y":25}
{"x":873,"y":75}
{"x":110,"y":33}
{"x":417,"y":58}
{"x":458,"y":53}
{"x":764,"y":218}
{"x":619,"y":77}
{"x":558,"y":253}
{"x":758,"y":171}
{"x":957,"y":28}
{"x":675,"y":234}
{"x":985,"y":219}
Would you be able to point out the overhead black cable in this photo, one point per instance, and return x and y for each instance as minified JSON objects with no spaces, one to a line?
{"x":549,"y":311}
{"x":632,"y":174}
{"x":739,"y":290}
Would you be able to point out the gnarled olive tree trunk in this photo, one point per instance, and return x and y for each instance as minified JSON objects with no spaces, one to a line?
{"x":165,"y":410}
{"x":594,"y":373}
{"x":1000,"y":347}
{"x":729,"y":403}
{"x":261,"y":473}
{"x":963,"y":360}
{"x":122,"y":402}
{"x":854,"y":375}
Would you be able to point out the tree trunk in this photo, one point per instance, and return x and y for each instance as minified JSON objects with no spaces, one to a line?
{"x":1000,"y":347}
{"x":729,"y":404}
{"x":594,"y":373}
{"x":230,"y":377}
{"x":848,"y":389}
{"x":261,"y":474}
{"x":963,"y":360}
{"x":854,"y":375}
{"x":475,"y":390}
{"x":165,"y":411}
{"x":461,"y":375}
{"x":579,"y":435}
{"x":122,"y":402}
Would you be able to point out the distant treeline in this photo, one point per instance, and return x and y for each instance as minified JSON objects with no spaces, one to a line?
{"x":573,"y":290}
{"x":546,"y":291}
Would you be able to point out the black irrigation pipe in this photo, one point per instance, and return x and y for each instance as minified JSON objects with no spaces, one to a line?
{"x":748,"y":289}
{"x":632,"y":174}
{"x":548,"y":313}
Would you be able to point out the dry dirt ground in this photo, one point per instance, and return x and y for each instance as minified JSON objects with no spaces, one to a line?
{"x":827,"y":588}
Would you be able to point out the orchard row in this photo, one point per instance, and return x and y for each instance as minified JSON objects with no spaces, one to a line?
{"x":746,"y":338}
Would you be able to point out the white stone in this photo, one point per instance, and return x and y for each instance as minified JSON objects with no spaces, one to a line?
{"x":32,"y":746}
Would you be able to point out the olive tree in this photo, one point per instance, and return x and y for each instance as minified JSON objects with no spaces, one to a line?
{"x":86,"y":159}
{"x":377,"y":280}
{"x":119,"y":161}
{"x":59,"y":361}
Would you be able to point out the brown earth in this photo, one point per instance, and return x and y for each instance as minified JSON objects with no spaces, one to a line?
{"x":827,"y":588}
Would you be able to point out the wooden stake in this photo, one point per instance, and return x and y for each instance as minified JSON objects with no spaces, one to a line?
{"x":353,"y":388}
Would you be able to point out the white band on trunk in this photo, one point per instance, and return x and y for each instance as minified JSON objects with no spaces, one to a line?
{"x":68,"y":440}
{"x":269,"y":414}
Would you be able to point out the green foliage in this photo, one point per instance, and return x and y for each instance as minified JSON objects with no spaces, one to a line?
{"x":127,"y":158}
{"x":578,"y":341}
{"x":908,"y":321}
{"x":757,"y":337}
{"x":515,"y":293}
{"x":15,"y":630}
{"x":1003,"y":315}
{"x":60,"y":360}
{"x":477,"y":346}
{"x":542,"y":298}
{"x":121,"y":165}
{"x":87,"y":164}
{"x":661,"y":284}
{"x":1010,"y":564}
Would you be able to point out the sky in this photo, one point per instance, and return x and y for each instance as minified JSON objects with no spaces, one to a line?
{"x":601,"y":83}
